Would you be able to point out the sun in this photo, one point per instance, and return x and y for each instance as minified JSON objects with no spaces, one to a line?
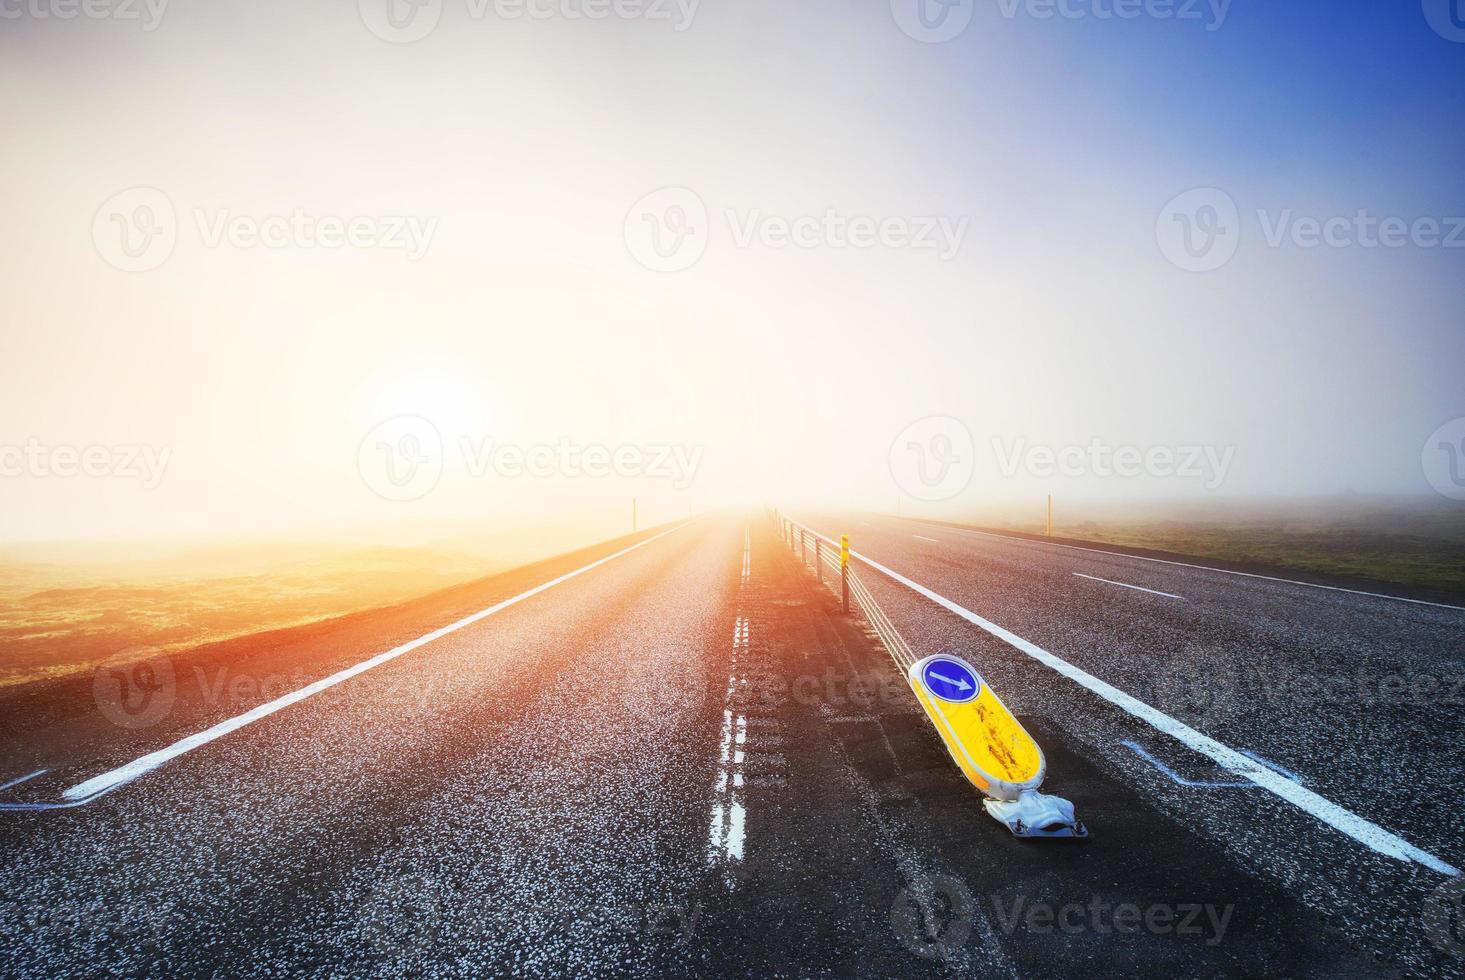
{"x":447,"y":390}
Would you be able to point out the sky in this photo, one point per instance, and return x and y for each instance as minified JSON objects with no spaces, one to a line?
{"x":288,"y":269}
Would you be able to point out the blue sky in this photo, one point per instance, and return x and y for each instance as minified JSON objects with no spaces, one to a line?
{"x":1059,"y":147}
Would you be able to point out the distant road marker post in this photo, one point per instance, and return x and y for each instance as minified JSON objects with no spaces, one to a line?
{"x":844,"y":572}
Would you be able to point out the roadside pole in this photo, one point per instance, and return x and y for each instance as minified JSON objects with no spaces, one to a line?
{"x":844,"y":572}
{"x":819,"y":559}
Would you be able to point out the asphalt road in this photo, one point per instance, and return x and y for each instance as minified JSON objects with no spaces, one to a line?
{"x":1359,"y":698}
{"x":680,"y":760}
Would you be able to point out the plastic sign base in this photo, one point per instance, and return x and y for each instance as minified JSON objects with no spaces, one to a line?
{"x":1035,"y":814}
{"x":990,"y":746}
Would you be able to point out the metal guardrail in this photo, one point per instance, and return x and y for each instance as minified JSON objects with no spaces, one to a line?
{"x":965,"y":724}
{"x":846,"y":583}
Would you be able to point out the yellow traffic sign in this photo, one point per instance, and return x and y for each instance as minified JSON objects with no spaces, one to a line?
{"x":989,"y":745}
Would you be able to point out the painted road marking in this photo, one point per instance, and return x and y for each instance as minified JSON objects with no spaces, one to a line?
{"x":1126,"y":585}
{"x":1212,"y":568}
{"x":1200,"y":784}
{"x":24,"y":779}
{"x":727,"y":822}
{"x":1364,"y":831}
{"x":924,"y":538}
{"x":96,"y":786}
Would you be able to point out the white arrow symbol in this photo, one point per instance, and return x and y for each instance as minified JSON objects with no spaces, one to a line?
{"x":960,"y":685}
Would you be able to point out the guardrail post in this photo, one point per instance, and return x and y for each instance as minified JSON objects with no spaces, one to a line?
{"x":844,"y":572}
{"x":803,"y":548}
{"x":819,"y":559}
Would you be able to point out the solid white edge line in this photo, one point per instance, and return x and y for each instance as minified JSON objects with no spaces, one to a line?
{"x":1126,"y":585}
{"x":108,"y":781}
{"x":1364,"y":831}
{"x":1204,"y":568}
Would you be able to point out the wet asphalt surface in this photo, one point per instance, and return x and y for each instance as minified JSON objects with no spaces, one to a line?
{"x":684,"y":762}
{"x":1361,"y":698}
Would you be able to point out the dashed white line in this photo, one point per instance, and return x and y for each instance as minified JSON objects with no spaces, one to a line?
{"x":122,"y":775}
{"x":1212,"y":568}
{"x":924,"y":538}
{"x":1126,"y":585}
{"x":1364,"y":831}
{"x":727,"y":824}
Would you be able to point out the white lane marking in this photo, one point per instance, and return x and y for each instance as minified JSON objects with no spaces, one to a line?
{"x":727,"y":824}
{"x":109,"y":781}
{"x":1212,"y":568}
{"x":1126,"y":585}
{"x":1180,"y":780}
{"x":1364,"y":831}
{"x":24,"y":779}
{"x":924,"y":538}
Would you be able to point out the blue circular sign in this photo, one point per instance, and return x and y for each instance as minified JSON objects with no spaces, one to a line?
{"x":951,"y":680}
